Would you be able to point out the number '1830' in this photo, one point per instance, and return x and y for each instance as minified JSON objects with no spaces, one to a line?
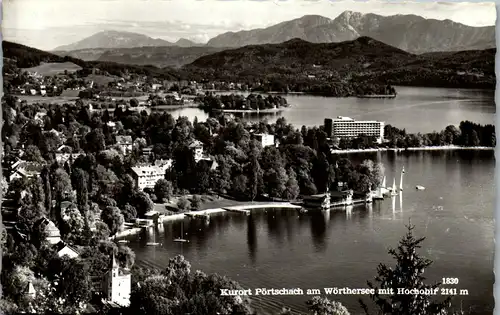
{"x":450,"y":280}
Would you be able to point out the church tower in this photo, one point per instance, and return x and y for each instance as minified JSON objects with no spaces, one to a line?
{"x":117,"y":284}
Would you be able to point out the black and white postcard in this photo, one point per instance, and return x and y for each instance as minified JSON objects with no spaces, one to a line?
{"x":248,"y":157}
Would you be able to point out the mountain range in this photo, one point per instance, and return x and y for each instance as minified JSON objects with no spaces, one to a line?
{"x":158,"y":56}
{"x":303,"y":66}
{"x":119,"y":39}
{"x":363,"y":60}
{"x":411,"y":33}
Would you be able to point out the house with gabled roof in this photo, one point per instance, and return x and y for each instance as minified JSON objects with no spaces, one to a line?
{"x":25,"y":169}
{"x":64,"y":249}
{"x":53,"y":233}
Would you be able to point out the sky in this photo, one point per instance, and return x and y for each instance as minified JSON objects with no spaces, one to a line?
{"x":47,"y":24}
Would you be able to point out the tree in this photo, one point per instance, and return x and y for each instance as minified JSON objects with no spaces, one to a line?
{"x":129,"y":213}
{"x":474,"y":139}
{"x":68,"y":280}
{"x":134,"y":102}
{"x":163,"y":189}
{"x":113,"y":218}
{"x":142,"y":203}
{"x":196,"y":202}
{"x":177,"y":291}
{"x":406,"y":274}
{"x":61,"y":184}
{"x":80,"y":182}
{"x":183,"y":203}
{"x":292,"y":189}
{"x":126,"y":257}
{"x":33,"y":154}
{"x":323,"y":306}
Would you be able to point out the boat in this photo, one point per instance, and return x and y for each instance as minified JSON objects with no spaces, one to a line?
{"x":181,"y":240}
{"x":418,"y":187}
{"x":394,"y":190}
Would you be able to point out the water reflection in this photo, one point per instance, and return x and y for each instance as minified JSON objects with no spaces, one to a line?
{"x":252,"y":238}
{"x":348,"y":212}
{"x":401,"y":201}
{"x":318,"y":230}
{"x":393,"y":203}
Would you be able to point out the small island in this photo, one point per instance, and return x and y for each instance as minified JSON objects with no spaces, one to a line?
{"x":234,"y":103}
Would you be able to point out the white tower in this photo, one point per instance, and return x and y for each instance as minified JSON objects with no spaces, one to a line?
{"x":117,"y":284}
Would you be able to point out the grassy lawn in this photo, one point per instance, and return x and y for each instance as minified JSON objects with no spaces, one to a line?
{"x":32,"y":99}
{"x":53,"y":68}
{"x":207,"y":202}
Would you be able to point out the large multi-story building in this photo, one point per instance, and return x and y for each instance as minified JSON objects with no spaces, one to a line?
{"x":147,"y":176}
{"x":345,"y":127}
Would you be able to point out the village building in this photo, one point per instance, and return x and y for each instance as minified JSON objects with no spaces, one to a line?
{"x":24,"y":169}
{"x":164,"y":165}
{"x":111,"y":125}
{"x":64,"y":249}
{"x":147,"y":176}
{"x":53,"y":233}
{"x":125,"y":143}
{"x":30,"y":291}
{"x":64,"y":154}
{"x":265,"y":140}
{"x":147,"y":151}
{"x":116,"y":285}
{"x":197,"y":147}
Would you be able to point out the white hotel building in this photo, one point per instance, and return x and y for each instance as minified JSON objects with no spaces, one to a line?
{"x":147,"y":176}
{"x":345,"y":127}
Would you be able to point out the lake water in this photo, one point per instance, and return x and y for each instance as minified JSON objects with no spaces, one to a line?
{"x":432,"y":108}
{"x":282,"y":249}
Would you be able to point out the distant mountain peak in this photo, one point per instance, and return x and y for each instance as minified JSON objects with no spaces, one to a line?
{"x":409,"y":32}
{"x":184,"y":42}
{"x":113,"y":39}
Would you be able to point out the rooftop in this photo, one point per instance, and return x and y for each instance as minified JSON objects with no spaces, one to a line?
{"x":124,"y":139}
{"x":144,"y":170}
{"x":349,"y":119}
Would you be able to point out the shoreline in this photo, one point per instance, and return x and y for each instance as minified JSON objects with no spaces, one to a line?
{"x":269,"y":110}
{"x":436,"y":148}
{"x":181,"y":216}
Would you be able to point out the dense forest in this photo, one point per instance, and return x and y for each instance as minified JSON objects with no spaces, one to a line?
{"x":212,"y":102}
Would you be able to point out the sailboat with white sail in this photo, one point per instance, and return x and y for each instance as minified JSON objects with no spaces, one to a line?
{"x":394,"y":191}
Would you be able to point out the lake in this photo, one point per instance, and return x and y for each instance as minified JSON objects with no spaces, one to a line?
{"x":282,"y":249}
{"x":432,"y":108}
